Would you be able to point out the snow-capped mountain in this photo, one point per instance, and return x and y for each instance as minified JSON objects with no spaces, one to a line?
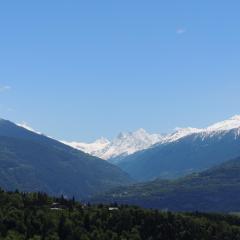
{"x":219,"y":128}
{"x":127,"y":143}
{"x":186,"y":151}
{"x":124,"y":144}
{"x":95,"y":148}
{"x":226,"y":125}
{"x":180,"y":133}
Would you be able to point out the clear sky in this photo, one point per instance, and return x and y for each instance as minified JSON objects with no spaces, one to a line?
{"x":78,"y":70}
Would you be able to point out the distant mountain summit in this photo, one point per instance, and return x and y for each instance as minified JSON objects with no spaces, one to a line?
{"x":124,"y":144}
{"x":229,"y":124}
{"x":185,"y":151}
{"x":94,"y":148}
{"x":127,"y":143}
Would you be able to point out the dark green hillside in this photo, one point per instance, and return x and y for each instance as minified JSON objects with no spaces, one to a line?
{"x":33,"y":162}
{"x":36,"y":216}
{"x":217,"y":189}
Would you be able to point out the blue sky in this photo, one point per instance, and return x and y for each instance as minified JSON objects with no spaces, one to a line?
{"x":78,"y":70}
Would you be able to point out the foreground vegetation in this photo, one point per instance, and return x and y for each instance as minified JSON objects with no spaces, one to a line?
{"x":37,"y":216}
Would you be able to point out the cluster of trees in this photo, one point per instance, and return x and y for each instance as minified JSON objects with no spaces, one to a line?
{"x":36,"y":216}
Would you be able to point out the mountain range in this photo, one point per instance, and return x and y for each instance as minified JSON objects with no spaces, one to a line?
{"x":196,"y":151}
{"x":30,"y":161}
{"x":146,"y":156}
{"x":126,"y":143}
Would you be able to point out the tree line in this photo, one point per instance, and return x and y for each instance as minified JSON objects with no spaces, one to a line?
{"x":37,"y":216}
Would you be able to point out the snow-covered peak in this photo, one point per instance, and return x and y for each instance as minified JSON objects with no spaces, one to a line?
{"x":127,"y":143}
{"x":141,"y":132}
{"x":93,"y":148}
{"x":180,"y":133}
{"x":122,"y":135}
{"x":223,"y":126}
{"x":130,"y":142}
{"x":124,"y":144}
{"x":226,"y":125}
{"x":102,"y":141}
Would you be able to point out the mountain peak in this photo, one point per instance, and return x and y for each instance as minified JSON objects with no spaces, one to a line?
{"x":141,"y":131}
{"x":232,"y":123}
{"x":122,"y":135}
{"x":127,"y":143}
{"x":102,"y":140}
{"x":235,"y":118}
{"x":180,"y":133}
{"x":124,"y":144}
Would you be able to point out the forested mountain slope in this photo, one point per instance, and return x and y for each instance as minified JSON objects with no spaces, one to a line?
{"x":33,"y":162}
{"x":216,"y":189}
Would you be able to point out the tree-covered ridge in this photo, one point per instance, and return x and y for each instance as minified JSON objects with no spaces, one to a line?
{"x":33,"y":162}
{"x":216,"y":189}
{"x":36,"y":216}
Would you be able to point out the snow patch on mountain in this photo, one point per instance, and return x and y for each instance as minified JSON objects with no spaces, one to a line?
{"x":26,"y":126}
{"x":94,"y":148}
{"x":180,"y":133}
